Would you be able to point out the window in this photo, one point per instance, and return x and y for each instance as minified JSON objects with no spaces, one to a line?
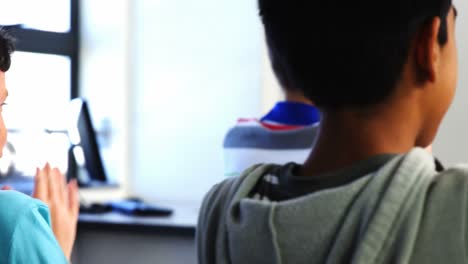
{"x":42,"y":79}
{"x":41,"y":84}
{"x":46,"y":15}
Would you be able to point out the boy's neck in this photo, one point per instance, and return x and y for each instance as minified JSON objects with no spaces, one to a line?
{"x":348,"y":137}
{"x":296,"y":97}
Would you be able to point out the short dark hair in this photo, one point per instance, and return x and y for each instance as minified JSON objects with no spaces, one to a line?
{"x":345,"y":53}
{"x":7,"y":46}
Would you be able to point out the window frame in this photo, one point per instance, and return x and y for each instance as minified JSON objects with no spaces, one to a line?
{"x":54,"y":43}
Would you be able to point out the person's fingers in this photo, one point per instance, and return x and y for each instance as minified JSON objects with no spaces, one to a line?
{"x":41,"y":191}
{"x":73,"y":200}
{"x":46,"y":167}
{"x":52,"y":183}
{"x":6,"y":188}
{"x":61,"y":184}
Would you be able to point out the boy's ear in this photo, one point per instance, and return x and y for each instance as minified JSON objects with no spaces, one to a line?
{"x":428,"y":51}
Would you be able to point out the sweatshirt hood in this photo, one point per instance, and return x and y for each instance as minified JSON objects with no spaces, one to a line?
{"x":355,"y":223}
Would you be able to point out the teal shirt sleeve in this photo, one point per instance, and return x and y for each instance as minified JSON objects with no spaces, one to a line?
{"x":31,"y":239}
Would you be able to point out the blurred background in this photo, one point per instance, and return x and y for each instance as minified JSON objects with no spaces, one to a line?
{"x":164,"y":79}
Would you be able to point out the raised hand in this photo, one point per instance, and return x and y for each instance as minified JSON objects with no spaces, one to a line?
{"x":62,"y":198}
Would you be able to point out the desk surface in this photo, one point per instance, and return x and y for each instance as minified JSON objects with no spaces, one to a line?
{"x":182,"y":222}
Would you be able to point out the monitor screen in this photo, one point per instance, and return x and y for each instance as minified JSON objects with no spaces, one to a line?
{"x":85,"y":146}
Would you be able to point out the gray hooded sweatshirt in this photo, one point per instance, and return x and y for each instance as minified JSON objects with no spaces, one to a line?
{"x":405,"y":212}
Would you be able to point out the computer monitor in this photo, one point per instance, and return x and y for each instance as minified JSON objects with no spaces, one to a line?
{"x":85,"y":148}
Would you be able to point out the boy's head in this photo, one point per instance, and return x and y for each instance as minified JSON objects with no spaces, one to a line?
{"x":291,"y":94}
{"x":6,"y":48}
{"x":356,"y":54}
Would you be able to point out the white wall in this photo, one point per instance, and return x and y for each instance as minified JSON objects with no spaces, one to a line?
{"x":105,"y":82}
{"x":198,"y":69}
{"x":451,"y":145}
{"x":140,"y":58}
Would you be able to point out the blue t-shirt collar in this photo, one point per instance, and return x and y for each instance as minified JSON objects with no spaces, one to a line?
{"x":293,"y":114}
